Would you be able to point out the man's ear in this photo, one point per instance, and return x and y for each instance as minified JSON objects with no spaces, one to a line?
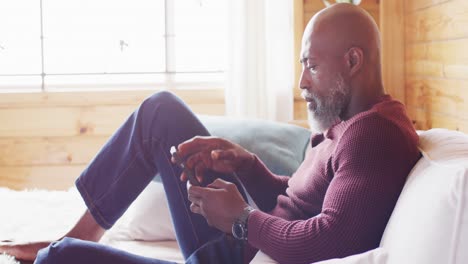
{"x":354,"y":60}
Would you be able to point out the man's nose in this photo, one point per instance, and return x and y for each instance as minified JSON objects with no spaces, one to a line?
{"x":304,"y":82}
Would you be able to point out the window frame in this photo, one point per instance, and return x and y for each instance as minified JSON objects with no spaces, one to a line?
{"x":212,"y":80}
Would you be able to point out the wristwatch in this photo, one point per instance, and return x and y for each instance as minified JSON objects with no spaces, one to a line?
{"x":239,"y":227}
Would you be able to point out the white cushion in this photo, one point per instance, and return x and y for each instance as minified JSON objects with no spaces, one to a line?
{"x":430,"y":220}
{"x":148,"y":218}
{"x":376,"y":256}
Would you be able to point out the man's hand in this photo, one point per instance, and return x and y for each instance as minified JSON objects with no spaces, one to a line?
{"x":220,"y":203}
{"x":217,"y":154}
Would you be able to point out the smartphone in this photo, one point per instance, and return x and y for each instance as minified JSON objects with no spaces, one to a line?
{"x":191,"y":176}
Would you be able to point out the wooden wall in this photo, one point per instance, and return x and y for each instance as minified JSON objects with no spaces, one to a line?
{"x":46,"y":139}
{"x":436,"y":41}
{"x":310,"y":7}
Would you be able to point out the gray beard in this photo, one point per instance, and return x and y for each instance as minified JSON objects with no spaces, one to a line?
{"x":321,"y":123}
{"x":329,"y":108}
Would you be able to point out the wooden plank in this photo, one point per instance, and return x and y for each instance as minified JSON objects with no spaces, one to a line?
{"x":441,"y":22}
{"x":426,"y":119}
{"x":436,"y":69}
{"x":414,"y":5}
{"x":299,"y":27}
{"x":419,"y":117}
{"x":313,"y":6}
{"x":449,"y":122}
{"x":41,"y":177}
{"x":27,"y":151}
{"x":73,"y":121}
{"x":92,"y":98}
{"x":62,"y":121}
{"x":393,"y":47}
{"x":444,"y":59}
{"x":300,"y":110}
{"x":442,"y":96}
{"x":425,"y":68}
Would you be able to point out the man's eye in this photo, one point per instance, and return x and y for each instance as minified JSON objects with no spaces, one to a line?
{"x":313,"y":68}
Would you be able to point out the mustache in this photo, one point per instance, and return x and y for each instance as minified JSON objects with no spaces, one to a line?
{"x":308,"y":96}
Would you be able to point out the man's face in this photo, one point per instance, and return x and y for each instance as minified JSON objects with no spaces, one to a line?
{"x":323,"y":87}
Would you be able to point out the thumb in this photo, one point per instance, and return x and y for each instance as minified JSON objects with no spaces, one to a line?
{"x":219,"y":184}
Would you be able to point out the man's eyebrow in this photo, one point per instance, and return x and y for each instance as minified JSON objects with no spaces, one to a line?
{"x":305,"y":59}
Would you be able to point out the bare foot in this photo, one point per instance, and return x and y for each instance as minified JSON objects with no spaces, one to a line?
{"x":23,"y":251}
{"x":86,"y":229}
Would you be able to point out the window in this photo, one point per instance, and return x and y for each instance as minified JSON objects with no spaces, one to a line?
{"x":112,"y":44}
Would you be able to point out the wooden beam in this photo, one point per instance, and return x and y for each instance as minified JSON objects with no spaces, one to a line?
{"x":298,"y":31}
{"x":414,"y":5}
{"x":445,"y":21}
{"x":392,"y":29}
{"x":94,"y":98}
{"x":49,"y":151}
{"x":100,"y":120}
{"x":40,"y":177}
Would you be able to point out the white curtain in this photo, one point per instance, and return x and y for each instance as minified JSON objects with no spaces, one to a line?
{"x":260,"y":71}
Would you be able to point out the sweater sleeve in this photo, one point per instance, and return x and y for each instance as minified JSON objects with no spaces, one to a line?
{"x":370,"y":167}
{"x":263,"y":186}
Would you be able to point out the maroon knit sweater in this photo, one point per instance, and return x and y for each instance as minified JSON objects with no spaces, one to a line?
{"x":340,"y":199}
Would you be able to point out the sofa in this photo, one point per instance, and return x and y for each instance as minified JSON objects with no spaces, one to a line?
{"x":429,"y":224}
{"x":430,"y":221}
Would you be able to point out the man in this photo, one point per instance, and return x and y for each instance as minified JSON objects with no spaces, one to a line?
{"x":337,"y":204}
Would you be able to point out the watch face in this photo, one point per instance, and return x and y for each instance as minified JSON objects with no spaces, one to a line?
{"x":238,"y":231}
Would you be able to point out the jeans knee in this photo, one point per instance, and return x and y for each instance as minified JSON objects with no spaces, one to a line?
{"x":62,"y":251}
{"x":165,"y":98}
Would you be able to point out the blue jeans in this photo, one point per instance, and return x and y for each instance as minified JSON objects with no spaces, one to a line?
{"x":124,"y":167}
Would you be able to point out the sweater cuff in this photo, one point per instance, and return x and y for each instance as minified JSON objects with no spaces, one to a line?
{"x":255,"y":224}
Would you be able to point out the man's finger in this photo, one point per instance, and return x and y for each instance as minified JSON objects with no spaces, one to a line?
{"x":197,"y":191}
{"x":195,"y":208}
{"x":223,"y":154}
{"x":194,"y":198}
{"x":219,"y":184}
{"x":196,"y":144}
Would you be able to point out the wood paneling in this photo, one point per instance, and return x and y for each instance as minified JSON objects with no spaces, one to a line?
{"x":392,"y":29}
{"x":46,"y":139}
{"x":74,"y":121}
{"x":40,"y":177}
{"x":443,"y":59}
{"x":413,"y":5}
{"x":436,"y":37}
{"x":25,"y":151}
{"x":62,"y":121}
{"x":300,"y":109}
{"x":440,"y":95}
{"x":298,"y":30}
{"x":93,"y":98}
{"x":449,"y":20}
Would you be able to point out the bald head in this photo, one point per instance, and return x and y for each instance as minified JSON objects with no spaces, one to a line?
{"x":340,"y":27}
{"x":341,"y":74}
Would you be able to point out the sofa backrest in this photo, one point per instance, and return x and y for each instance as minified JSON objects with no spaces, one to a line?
{"x":430,"y":221}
